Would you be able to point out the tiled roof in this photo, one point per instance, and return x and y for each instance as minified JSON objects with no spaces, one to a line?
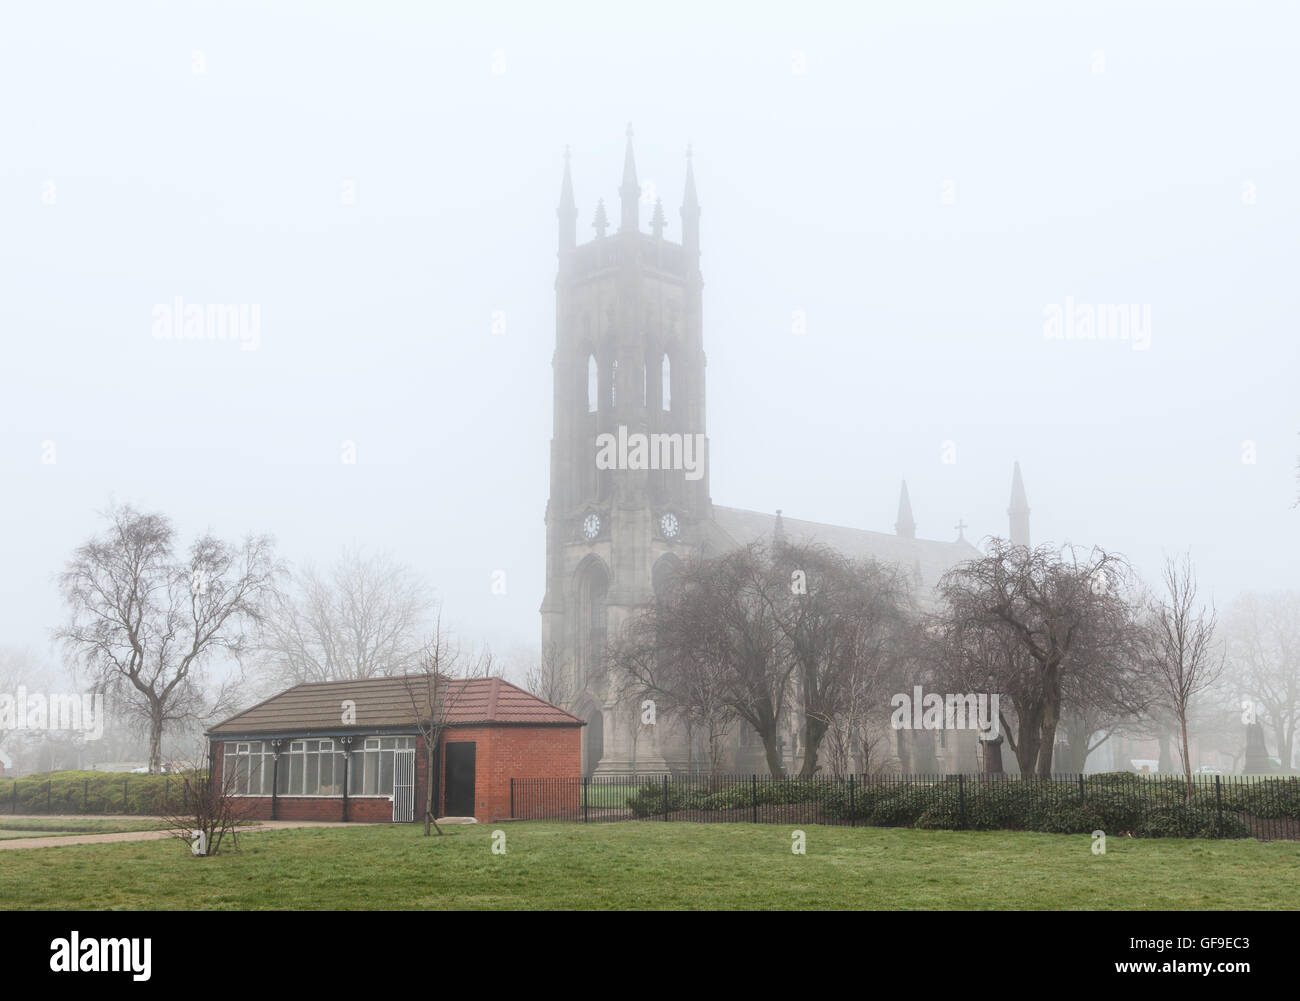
{"x":388,"y":702}
{"x":925,"y":559}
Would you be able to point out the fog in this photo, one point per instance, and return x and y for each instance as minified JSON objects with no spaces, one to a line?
{"x":893,"y":201}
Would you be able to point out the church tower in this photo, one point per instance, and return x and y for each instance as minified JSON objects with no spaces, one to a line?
{"x":628,"y":367}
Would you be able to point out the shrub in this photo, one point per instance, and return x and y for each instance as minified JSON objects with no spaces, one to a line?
{"x":648,"y":800}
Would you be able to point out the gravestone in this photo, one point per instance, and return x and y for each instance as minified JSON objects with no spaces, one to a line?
{"x":1257,"y":762}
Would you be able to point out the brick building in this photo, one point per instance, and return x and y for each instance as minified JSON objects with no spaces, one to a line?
{"x":353,"y":750}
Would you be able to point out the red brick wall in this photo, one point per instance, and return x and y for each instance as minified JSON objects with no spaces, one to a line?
{"x":372,"y":808}
{"x":506,"y":752}
{"x":501,"y":753}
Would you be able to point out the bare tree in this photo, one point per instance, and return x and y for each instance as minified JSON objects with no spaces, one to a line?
{"x":1182,"y":650}
{"x":436,"y":690}
{"x":1054,"y":612}
{"x":716,"y":625}
{"x":145,"y":623}
{"x":16,"y":668}
{"x":548,"y":679}
{"x":365,"y":618}
{"x":213,"y":811}
{"x":1263,"y":632}
{"x":853,"y":731}
{"x":843,"y":622}
{"x":689,"y":684}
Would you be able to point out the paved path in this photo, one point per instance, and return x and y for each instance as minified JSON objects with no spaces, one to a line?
{"x":15,"y":844}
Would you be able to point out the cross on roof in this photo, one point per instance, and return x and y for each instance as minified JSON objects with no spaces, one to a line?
{"x":960,"y":526}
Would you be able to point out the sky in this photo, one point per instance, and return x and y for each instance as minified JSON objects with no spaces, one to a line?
{"x":895,"y":196}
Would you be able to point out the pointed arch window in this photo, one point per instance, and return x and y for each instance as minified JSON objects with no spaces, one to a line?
{"x":593,"y":384}
{"x":666,"y":373}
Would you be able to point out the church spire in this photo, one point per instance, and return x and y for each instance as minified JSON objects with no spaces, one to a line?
{"x":601,"y":222}
{"x":778,"y":530}
{"x":567,"y":211}
{"x":690,"y":216}
{"x":630,"y":191}
{"x":657,"y":220}
{"x":1018,"y":511}
{"x":905,"y":526}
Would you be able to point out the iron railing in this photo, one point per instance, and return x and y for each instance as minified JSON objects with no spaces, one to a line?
{"x":1213,"y":806}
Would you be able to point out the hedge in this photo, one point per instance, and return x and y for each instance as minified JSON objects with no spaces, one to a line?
{"x":94,"y":792}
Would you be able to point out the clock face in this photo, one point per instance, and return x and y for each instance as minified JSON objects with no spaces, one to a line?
{"x":591,"y":526}
{"x":668,"y":525}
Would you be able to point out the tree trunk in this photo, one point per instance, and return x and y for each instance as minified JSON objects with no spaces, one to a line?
{"x":814,"y":731}
{"x":1187,"y":754}
{"x":431,"y":784}
{"x":1051,"y":716}
{"x":155,"y":739}
{"x":773,"y":754}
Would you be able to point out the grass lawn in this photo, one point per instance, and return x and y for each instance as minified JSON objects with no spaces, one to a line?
{"x":31,"y":827}
{"x":658,"y":866}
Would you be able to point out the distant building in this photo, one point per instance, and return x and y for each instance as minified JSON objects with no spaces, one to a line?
{"x":629,"y":361}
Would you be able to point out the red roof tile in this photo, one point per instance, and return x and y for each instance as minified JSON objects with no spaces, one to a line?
{"x":393,"y":702}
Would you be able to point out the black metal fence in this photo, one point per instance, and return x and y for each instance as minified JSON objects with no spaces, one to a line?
{"x":1215,"y":806}
{"x":97,"y":793}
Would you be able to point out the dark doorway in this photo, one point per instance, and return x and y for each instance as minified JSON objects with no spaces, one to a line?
{"x":460,"y":778}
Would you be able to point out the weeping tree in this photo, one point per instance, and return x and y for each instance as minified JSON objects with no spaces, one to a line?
{"x":1057,"y":615}
{"x":145,"y":621}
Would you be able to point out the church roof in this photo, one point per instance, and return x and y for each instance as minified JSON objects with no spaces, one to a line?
{"x":925,"y":558}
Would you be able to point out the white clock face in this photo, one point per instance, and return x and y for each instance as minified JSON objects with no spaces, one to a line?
{"x":591,"y":526}
{"x":668,"y":525}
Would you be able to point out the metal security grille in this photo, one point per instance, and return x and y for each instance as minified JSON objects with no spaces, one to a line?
{"x":403,"y":787}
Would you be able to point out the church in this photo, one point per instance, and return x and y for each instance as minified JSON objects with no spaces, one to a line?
{"x":629,"y":362}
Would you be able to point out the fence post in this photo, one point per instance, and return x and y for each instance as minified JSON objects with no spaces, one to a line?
{"x":13,"y":808}
{"x":1218,"y":802}
{"x":48,"y":785}
{"x":584,"y":799}
{"x":853,"y":818}
{"x":1081,"y":788}
{"x":85,"y":796}
{"x":665,"y":797}
{"x":512,"y":799}
{"x":125,"y":801}
{"x":961,"y":800}
{"x":754,"y":781}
